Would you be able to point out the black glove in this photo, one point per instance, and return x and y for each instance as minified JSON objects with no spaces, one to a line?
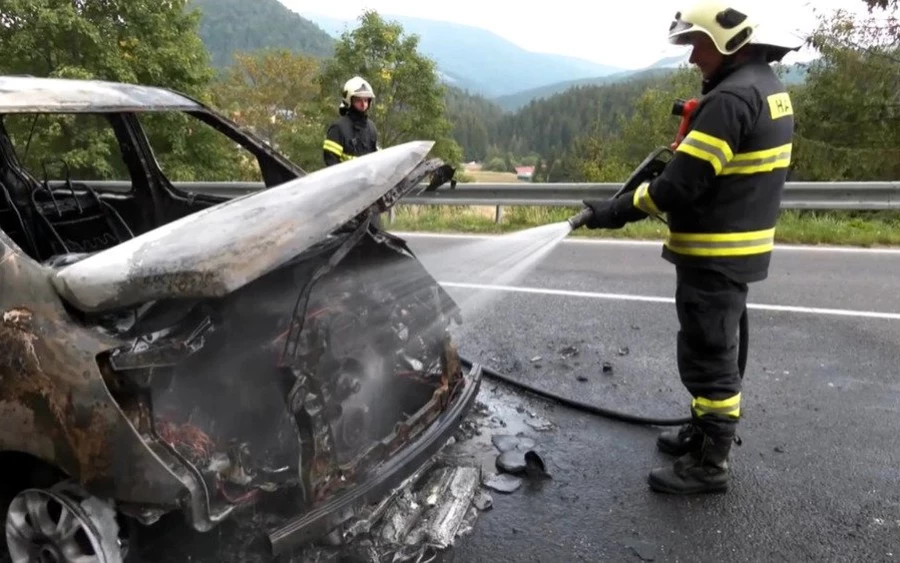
{"x":612,"y":213}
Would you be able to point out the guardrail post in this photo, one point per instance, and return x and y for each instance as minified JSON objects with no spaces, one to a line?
{"x":391,"y":216}
{"x":498,"y":214}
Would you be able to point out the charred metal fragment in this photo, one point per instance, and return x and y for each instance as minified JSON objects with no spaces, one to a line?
{"x":380,"y":479}
{"x":162,"y":349}
{"x":440,"y":172}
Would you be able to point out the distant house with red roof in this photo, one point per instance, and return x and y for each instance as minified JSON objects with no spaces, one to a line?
{"x":524,"y":173}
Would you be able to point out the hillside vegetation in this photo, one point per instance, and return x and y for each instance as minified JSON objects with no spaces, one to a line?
{"x":240,"y":26}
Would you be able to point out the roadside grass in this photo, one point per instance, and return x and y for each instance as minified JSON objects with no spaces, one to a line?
{"x":844,"y":228}
{"x":488,"y":176}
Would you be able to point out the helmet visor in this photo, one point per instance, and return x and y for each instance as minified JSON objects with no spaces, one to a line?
{"x":680,"y":31}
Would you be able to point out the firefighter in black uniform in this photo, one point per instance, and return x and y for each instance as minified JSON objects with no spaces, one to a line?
{"x":721,"y":193}
{"x":353,"y":133}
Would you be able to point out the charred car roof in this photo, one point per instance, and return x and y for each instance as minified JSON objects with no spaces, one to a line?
{"x":27,"y":94}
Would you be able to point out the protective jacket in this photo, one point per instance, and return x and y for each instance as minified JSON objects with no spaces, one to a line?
{"x":351,"y":135}
{"x":722,"y":190}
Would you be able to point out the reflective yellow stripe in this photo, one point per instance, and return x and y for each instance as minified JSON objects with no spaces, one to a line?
{"x":706,"y":147}
{"x":725,"y":407}
{"x":722,"y":244}
{"x":759,"y":161}
{"x":643,"y":201}
{"x":333,"y":147}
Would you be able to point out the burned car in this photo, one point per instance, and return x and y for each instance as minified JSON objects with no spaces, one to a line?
{"x":170,"y":344}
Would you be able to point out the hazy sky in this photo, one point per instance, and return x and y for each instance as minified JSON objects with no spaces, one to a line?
{"x":627,"y":34}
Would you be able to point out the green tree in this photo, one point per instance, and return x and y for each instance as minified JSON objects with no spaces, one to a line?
{"x":848,"y":111}
{"x":274,"y":93}
{"x":410,"y":99}
{"x":140,"y":41}
{"x":151,"y":42}
{"x":611,"y":155}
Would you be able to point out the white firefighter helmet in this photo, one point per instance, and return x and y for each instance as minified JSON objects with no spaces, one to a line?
{"x":730,"y":27}
{"x":356,"y":87}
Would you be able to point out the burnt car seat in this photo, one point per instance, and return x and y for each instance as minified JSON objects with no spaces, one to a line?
{"x":74,"y":223}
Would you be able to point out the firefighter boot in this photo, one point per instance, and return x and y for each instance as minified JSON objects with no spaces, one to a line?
{"x":704,"y":470}
{"x":681,"y":441}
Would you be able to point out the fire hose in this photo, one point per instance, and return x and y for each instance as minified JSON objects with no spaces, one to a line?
{"x":621,"y":416}
{"x":649,"y":169}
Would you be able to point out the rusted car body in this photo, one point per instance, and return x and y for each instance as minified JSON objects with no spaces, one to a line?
{"x":166,"y":350}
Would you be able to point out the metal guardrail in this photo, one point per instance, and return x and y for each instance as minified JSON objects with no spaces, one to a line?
{"x":797,"y":195}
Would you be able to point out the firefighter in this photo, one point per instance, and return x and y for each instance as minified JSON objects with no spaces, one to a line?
{"x":353,"y":133}
{"x":721,"y":193}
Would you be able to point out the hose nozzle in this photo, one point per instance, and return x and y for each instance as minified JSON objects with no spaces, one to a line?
{"x":581,"y":218}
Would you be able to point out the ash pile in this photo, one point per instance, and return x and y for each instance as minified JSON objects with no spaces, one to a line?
{"x":415,"y":523}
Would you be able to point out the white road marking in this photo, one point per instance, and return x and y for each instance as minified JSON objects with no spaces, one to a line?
{"x":670,"y":300}
{"x":654,"y":243}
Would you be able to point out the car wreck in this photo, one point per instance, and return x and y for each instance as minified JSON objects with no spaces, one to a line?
{"x":166,"y":347}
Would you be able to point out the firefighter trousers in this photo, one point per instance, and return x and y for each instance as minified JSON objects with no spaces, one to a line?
{"x":709,"y":306}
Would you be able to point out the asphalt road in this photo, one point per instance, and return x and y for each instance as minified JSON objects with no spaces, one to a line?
{"x":815,"y":479}
{"x":817,"y":475}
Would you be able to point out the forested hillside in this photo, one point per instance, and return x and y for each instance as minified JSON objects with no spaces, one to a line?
{"x":229,"y":26}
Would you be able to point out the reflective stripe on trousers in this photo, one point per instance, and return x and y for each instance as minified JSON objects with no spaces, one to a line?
{"x":730,"y":407}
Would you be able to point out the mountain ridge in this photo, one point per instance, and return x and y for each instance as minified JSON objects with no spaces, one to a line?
{"x":458,"y":51}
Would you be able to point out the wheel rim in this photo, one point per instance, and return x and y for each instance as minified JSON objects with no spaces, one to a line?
{"x":48,"y":527}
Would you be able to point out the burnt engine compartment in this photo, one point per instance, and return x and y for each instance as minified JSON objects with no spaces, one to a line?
{"x":303,"y":380}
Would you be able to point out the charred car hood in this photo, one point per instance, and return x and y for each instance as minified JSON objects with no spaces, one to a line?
{"x":217,"y":250}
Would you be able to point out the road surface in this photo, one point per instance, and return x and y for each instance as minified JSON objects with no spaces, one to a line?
{"x":817,"y":475}
{"x":815,"y":479}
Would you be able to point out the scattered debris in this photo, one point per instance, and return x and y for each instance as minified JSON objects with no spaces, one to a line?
{"x":449,"y":495}
{"x":483,"y":501}
{"x":624,"y":351}
{"x":512,"y":461}
{"x":779,"y":449}
{"x":539,"y":423}
{"x":424,"y":516}
{"x":607,"y":368}
{"x":536,"y":359}
{"x":507,"y":442}
{"x":467,"y":430}
{"x":503,"y":482}
{"x":534,"y":465}
{"x":581,"y":378}
{"x":568,"y":351}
